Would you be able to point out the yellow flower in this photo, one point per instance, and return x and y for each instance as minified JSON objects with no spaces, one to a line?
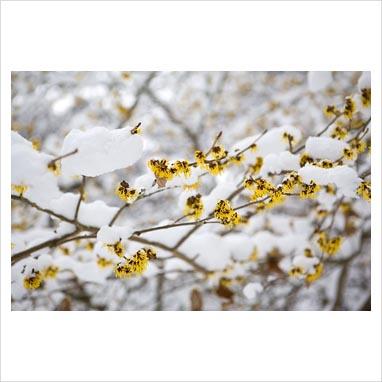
{"x":325,"y":163}
{"x":36,"y":144}
{"x":136,"y":264}
{"x":330,"y":189}
{"x":349,"y":154}
{"x":34,"y":281}
{"x":318,"y":269}
{"x":329,"y":245}
{"x":259,"y":188}
{"x":218,"y":152}
{"x":226,"y":214}
{"x":65,"y":251}
{"x":128,"y":195}
{"x":349,"y":108}
{"x":89,"y":246}
{"x":364,"y":190}
{"x":194,"y":207}
{"x":366,"y":97}
{"x":305,"y":158}
{"x":200,"y":158}
{"x":237,"y":159}
{"x":117,"y":248}
{"x":256,"y":167}
{"x":296,"y":271}
{"x":254,"y":255}
{"x":289,"y":138}
{"x":55,"y":167}
{"x":339,"y":132}
{"x":289,"y":183}
{"x":19,"y":189}
{"x":161,"y":169}
{"x":308,"y":252}
{"x":102,"y":262}
{"x":181,"y":167}
{"x":214,"y":167}
{"x":321,"y":213}
{"x":276,"y":197}
{"x":331,"y":111}
{"x":309,"y":191}
{"x":192,"y":186}
{"x":358,"y":145}
{"x":50,"y":272}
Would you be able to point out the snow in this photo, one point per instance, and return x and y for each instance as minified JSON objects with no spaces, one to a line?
{"x":100,"y":150}
{"x":345,"y":178}
{"x":270,"y":142}
{"x":239,"y":245}
{"x":95,"y":214}
{"x":111,"y":235}
{"x":275,"y":163}
{"x":319,"y":80}
{"x":144,"y":182}
{"x":222,"y":190}
{"x":252,"y":290}
{"x":364,"y":81}
{"x":29,"y":168}
{"x":325,"y":148}
{"x":209,"y":249}
{"x":306,"y":263}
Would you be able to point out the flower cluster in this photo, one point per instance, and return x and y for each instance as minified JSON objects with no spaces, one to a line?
{"x":364,"y":190}
{"x":331,"y":111}
{"x":305,"y":158}
{"x":328,"y":245}
{"x":256,"y":167}
{"x":117,"y":248}
{"x":194,"y":207}
{"x":339,"y":132}
{"x":125,"y":193}
{"x":276,"y":197}
{"x":226,"y":214}
{"x":218,"y":152}
{"x":358,"y":145}
{"x":259,"y":187}
{"x":349,"y":108}
{"x":136,"y":264}
{"x":103,"y":262}
{"x":366,"y":97}
{"x":349,"y":153}
{"x":164,"y":170}
{"x":35,"y":279}
{"x":309,"y":191}
{"x":290,"y":182}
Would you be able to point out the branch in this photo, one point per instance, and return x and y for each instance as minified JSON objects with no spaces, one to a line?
{"x":82,"y":189}
{"x":176,"y":253}
{"x":186,"y":129}
{"x":56,"y":215}
{"x":49,"y":243}
{"x":75,"y":151}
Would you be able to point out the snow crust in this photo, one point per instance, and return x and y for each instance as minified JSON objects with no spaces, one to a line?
{"x":100,"y":150}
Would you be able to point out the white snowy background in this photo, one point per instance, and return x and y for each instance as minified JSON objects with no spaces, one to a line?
{"x":180,"y":112}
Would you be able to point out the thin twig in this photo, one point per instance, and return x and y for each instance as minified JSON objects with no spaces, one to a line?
{"x":75,"y":151}
{"x":82,"y":190}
